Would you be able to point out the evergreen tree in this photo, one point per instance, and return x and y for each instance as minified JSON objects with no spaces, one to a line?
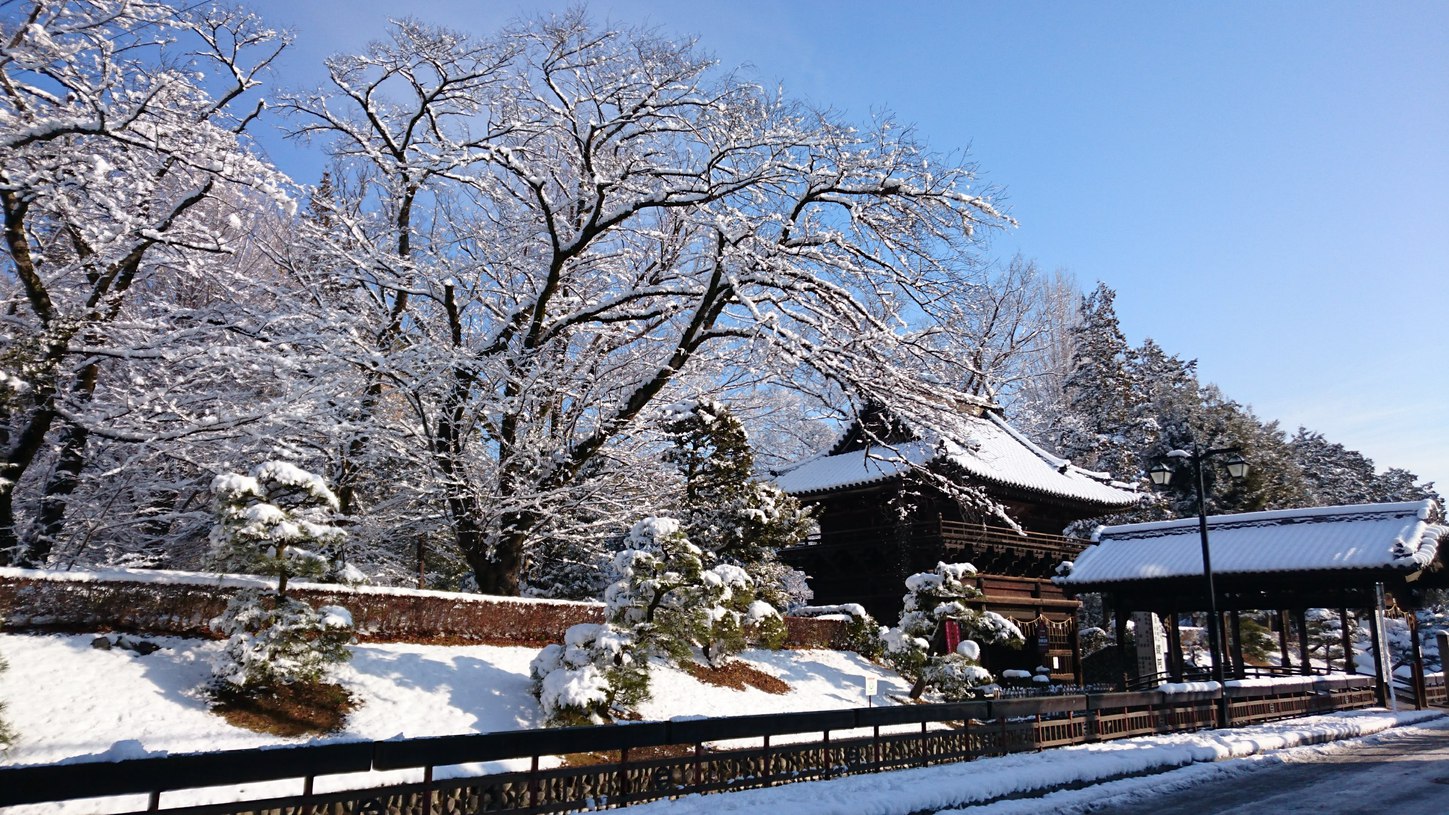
{"x":726,"y":511}
{"x":272,"y":522}
{"x":933,"y":599}
{"x":1108,"y":422}
{"x":1335,"y":475}
{"x":668,"y":602}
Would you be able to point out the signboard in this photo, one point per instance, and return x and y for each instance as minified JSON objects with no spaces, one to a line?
{"x":1151,"y":644}
{"x":953,"y":636}
{"x":872,"y":685}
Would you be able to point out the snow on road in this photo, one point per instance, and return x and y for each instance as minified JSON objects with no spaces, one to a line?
{"x":1402,"y":771}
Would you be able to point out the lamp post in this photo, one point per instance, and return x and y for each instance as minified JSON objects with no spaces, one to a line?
{"x":1161,"y":476}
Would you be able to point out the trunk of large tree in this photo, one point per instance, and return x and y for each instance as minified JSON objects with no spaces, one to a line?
{"x":49,"y":521}
{"x":21,"y":455}
{"x":9,"y":542}
{"x":501,"y":572}
{"x":50,"y":517}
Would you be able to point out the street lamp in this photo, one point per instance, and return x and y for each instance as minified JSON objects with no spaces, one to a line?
{"x":1161,"y":475}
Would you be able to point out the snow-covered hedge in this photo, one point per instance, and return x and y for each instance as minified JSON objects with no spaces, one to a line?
{"x":184,"y":603}
{"x":862,"y":634}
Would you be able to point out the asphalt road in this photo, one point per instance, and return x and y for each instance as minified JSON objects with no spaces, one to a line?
{"x":1405,"y":774}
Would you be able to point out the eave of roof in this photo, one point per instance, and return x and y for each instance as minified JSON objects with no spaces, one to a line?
{"x":1367,"y":538}
{"x":985,"y":448}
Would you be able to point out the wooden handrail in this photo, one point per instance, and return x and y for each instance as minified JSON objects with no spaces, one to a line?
{"x":985,"y":534}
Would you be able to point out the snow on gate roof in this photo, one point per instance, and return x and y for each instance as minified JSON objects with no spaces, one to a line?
{"x":986,"y":447}
{"x":1368,"y":537}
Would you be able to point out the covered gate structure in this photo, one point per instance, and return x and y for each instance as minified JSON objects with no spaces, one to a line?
{"x":1366,"y":556}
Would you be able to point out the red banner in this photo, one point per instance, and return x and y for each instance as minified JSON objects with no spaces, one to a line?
{"x":953,"y":636}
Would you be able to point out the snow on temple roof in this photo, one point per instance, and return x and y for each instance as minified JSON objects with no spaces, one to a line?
{"x":984,"y":446}
{"x":1358,"y":537}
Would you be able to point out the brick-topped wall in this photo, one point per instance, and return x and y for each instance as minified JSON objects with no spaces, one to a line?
{"x":181,"y":603}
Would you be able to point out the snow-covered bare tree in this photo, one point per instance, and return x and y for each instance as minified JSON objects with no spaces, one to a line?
{"x":125,"y":185}
{"x":562,"y":223}
{"x":1018,"y":329}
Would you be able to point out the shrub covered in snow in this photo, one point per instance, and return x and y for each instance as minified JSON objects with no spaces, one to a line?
{"x":664,"y":603}
{"x":674,"y":604}
{"x":594,"y":672}
{"x":1094,"y":639}
{"x":933,"y":598}
{"x":863,"y":634}
{"x":273,"y":640}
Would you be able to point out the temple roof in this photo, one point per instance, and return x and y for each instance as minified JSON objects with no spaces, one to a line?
{"x":1363,"y":537}
{"x":985,"y":447}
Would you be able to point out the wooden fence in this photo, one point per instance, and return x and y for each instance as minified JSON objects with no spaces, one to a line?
{"x":641,"y":762}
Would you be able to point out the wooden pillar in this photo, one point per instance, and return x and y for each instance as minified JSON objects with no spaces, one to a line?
{"x":1120,"y":616}
{"x":1240,"y":666}
{"x":1287,"y":661}
{"x":1384,"y":687}
{"x":1348,"y":666}
{"x":1224,"y":632}
{"x":1300,"y":616}
{"x":1421,"y":693}
{"x":1079,"y":673}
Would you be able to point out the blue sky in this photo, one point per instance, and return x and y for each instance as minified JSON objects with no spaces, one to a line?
{"x":1266,"y":185}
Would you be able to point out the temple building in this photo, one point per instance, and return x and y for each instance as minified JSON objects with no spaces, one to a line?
{"x":889,"y":504}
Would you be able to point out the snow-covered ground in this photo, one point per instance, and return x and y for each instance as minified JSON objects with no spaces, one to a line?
{"x":70,"y":702}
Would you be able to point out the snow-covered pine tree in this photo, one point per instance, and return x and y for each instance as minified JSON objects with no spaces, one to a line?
{"x":1108,"y":422}
{"x":726,"y":510}
{"x":932,"y":599}
{"x":276,"y":521}
{"x":1336,"y":475}
{"x":665,"y":603}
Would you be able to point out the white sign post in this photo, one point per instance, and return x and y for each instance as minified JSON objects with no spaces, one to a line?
{"x":1151,"y":645}
{"x":872,"y":684}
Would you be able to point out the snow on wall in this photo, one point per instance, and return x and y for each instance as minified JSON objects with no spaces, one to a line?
{"x":182,"y":603}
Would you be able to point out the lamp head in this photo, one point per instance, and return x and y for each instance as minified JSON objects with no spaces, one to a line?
{"x":1237,"y":467}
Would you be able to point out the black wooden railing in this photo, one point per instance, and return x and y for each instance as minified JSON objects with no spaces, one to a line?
{"x":655,"y":760}
{"x":961,"y":535}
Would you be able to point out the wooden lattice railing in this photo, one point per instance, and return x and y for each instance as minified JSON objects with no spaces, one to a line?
{"x":959,"y":535}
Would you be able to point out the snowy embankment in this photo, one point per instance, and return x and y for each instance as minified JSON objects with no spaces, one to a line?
{"x":1029,"y":774}
{"x":69,"y":702}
